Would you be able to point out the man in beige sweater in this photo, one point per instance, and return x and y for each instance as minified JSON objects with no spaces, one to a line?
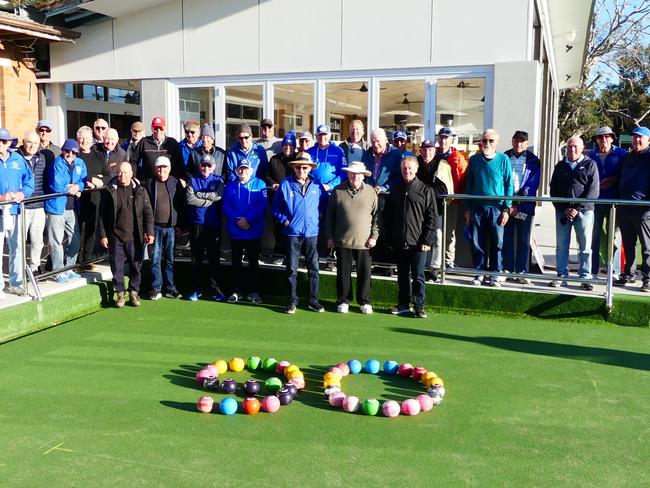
{"x":351,"y":228}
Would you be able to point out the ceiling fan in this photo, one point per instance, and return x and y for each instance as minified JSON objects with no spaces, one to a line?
{"x":363,"y":88}
{"x":406,"y":101}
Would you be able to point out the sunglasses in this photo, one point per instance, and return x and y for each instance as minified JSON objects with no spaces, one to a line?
{"x":303,"y":168}
{"x":4,"y":141}
{"x":243,"y":138}
{"x":190,"y":132}
{"x":158,"y":128}
{"x":266,"y":126}
{"x":100,"y":128}
{"x":204,"y":165}
{"x":491,"y":141}
{"x":44,"y":129}
{"x":68,"y":151}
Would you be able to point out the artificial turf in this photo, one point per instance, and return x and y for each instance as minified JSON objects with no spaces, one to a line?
{"x":109,"y":400}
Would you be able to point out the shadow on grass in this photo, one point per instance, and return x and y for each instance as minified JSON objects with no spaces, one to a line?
{"x":187,"y":406}
{"x":612,"y":357}
{"x":542,"y":310}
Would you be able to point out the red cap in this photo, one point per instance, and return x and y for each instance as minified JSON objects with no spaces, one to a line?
{"x":158,"y":122}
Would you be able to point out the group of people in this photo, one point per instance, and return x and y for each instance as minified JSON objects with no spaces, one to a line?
{"x":358,"y":201}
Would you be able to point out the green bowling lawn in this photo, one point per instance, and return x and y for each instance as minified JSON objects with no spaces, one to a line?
{"x":109,"y":400}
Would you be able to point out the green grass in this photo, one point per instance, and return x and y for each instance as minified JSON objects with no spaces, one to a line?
{"x":108,"y":400}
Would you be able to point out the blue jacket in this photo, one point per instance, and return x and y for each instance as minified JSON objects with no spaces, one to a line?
{"x":256,"y":155}
{"x":60,"y":174}
{"x":245,"y":200}
{"x":15,"y":176}
{"x":203,"y":198}
{"x":302,"y":211}
{"x":529,"y":182}
{"x":611,"y":167}
{"x":635,"y":178}
{"x":330,"y":164}
{"x":186,"y":151}
{"x":389,"y":170}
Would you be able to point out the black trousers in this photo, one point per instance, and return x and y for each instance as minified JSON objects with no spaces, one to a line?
{"x":120,"y":253}
{"x":88,"y":220}
{"x":634,"y":223}
{"x":344,"y":259}
{"x":205,"y":241}
{"x":246,"y":281}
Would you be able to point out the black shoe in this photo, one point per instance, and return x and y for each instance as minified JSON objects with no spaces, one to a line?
{"x":291,"y":309}
{"x":586,"y":286}
{"x":316,"y":307}
{"x":420,"y":313}
{"x":173,"y":294}
{"x":645,"y":287}
{"x":401,"y":310}
{"x":155,"y":295}
{"x":624,"y":280}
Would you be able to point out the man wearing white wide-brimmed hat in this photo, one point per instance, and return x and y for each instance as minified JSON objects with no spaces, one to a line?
{"x":351,"y":228}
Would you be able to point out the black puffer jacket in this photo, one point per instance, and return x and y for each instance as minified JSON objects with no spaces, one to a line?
{"x":412,"y":215}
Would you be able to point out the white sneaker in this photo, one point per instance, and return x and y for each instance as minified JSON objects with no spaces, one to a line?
{"x":232,"y":298}
{"x":478,"y":279}
{"x":342,"y":308}
{"x":366,"y":308}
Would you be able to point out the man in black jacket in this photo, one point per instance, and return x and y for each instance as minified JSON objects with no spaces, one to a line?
{"x":126,"y":225}
{"x":157,"y":144}
{"x":413,"y":220}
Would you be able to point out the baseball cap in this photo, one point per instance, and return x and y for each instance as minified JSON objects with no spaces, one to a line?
{"x":163,"y":161}
{"x":399,"y":135}
{"x":245,"y":129}
{"x":44,"y":123}
{"x":322,"y":129}
{"x":207,"y":159}
{"x":428,"y":143}
{"x":446,"y":132}
{"x":266,"y":122}
{"x":158,"y":122}
{"x":244,"y":163}
{"x":522,"y":135}
{"x":306,"y":135}
{"x":290,"y":138}
{"x":137,"y":126}
{"x":641,"y":131}
{"x":70,"y":145}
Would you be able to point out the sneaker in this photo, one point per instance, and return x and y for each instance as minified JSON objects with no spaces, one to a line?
{"x":16,"y":290}
{"x":291,"y":309}
{"x":173,"y":294}
{"x":420,"y":313}
{"x":316,"y":307}
{"x":558,"y":284}
{"x":330,"y":266}
{"x":497,"y":281}
{"x":194,"y":296}
{"x":217,"y":296}
{"x":432,"y":276}
{"x":72,"y":275}
{"x":278,"y":261}
{"x":342,"y":308}
{"x":254,"y":298}
{"x":366,"y":308}
{"x":134,"y":298}
{"x":645,"y":287}
{"x":478,"y":279}
{"x":586,"y":286}
{"x":624,"y":280}
{"x":120,"y":299}
{"x":232,"y":298}
{"x":155,"y":295}
{"x":401,"y":310}
{"x":522,"y":281}
{"x":61,"y":278}
{"x":451,"y":265}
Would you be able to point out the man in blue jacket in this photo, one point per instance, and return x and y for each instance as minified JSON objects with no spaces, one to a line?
{"x":67,"y":174}
{"x":525,"y":181}
{"x":248,"y":149}
{"x":329,"y":159}
{"x":296,"y":206}
{"x":244,"y":205}
{"x":16,"y":183}
{"x":608,"y":158}
{"x":203,"y":199}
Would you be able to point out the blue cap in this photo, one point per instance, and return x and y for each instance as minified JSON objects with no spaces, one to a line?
{"x":44,"y":123}
{"x":70,"y":145}
{"x":399,"y":135}
{"x":641,"y":131}
{"x":428,"y":143}
{"x":322,"y":129}
{"x":290,"y":138}
{"x":445,"y":131}
{"x":244,"y":163}
{"x":5,"y":135}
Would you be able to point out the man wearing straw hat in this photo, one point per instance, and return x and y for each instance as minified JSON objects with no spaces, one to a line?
{"x":351,"y":228}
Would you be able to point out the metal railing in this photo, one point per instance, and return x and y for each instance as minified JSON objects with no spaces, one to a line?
{"x":609,"y":294}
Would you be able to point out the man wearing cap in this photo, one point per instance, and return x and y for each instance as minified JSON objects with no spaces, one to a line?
{"x":329,"y":159}
{"x":435,"y":173}
{"x":576,"y":176}
{"x":151,"y":147}
{"x":525,"y":181}
{"x":458,"y":165}
{"x":635,"y":221}
{"x":99,"y":131}
{"x":16,"y":183}
{"x":191,"y":141}
{"x":248,"y":149}
{"x":67,"y":174}
{"x":399,"y":143}
{"x":271,"y":144}
{"x":351,"y":228}
{"x":244,"y":206}
{"x":305,"y":141}
{"x":354,"y":147}
{"x":412,"y":215}
{"x":137,"y":133}
{"x":34,"y":213}
{"x":203,"y":198}
{"x":609,"y":159}
{"x":48,"y":148}
{"x":297,"y":206}
{"x":207,"y":146}
{"x":490,"y":174}
{"x":165,"y":195}
{"x":125,"y":227}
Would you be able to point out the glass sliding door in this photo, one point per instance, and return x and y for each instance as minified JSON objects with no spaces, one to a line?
{"x":401,"y":108}
{"x":293,"y":107}
{"x":344,"y":102}
{"x":243,"y":104}
{"x":460,"y":105}
{"x":196,"y":104}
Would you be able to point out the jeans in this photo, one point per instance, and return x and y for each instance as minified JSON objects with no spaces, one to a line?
{"x":486,"y":231}
{"x":35,"y":227}
{"x":296,"y":244}
{"x":11,"y":232}
{"x":243,"y":281}
{"x":410,"y":276}
{"x":59,"y":229}
{"x":601,"y":214}
{"x":583,"y":225}
{"x":516,"y":244}
{"x":118,"y":253}
{"x":344,"y":258}
{"x":162,"y":261}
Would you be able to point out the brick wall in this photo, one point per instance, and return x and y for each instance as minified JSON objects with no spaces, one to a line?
{"x":18,"y":97}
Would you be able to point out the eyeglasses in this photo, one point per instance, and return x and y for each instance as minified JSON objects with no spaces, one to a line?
{"x":4,"y":141}
{"x":491,"y":141}
{"x":158,"y":128}
{"x":100,"y":128}
{"x":243,"y":138}
{"x":203,"y":165}
{"x":303,"y":168}
{"x":190,"y":132}
{"x":605,"y":136}
{"x":68,"y":151}
{"x":45,"y":129}
{"x":266,"y":126}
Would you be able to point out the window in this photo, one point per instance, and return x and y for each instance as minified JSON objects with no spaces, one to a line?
{"x":243,"y":104}
{"x":293,"y":108}
{"x":99,"y":93}
{"x":460,"y":104}
{"x":401,"y":108}
{"x":344,"y":102}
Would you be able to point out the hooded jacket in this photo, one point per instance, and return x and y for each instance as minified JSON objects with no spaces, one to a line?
{"x":301,"y":211}
{"x":60,"y":174}
{"x":246,"y":200}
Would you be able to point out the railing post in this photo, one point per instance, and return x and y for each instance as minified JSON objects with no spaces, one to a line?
{"x":609,"y":290}
{"x":443,"y":244}
{"x":23,"y":245}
